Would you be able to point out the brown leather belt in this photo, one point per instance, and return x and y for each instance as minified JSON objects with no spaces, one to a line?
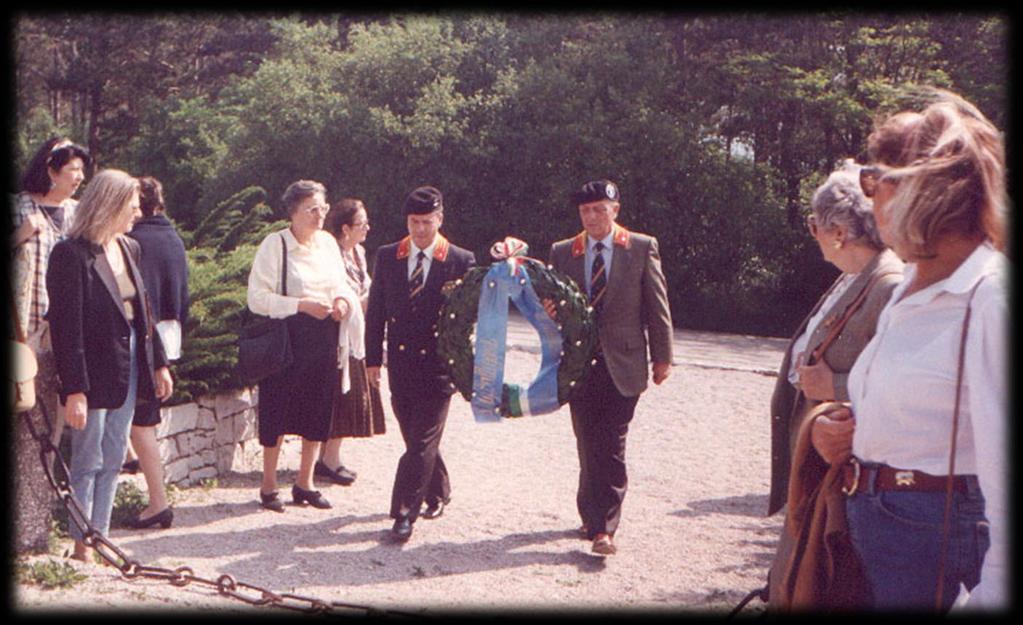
{"x":857,"y":477}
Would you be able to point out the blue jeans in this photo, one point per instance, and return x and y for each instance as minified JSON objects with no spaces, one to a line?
{"x":898,"y":536}
{"x":97,"y":453}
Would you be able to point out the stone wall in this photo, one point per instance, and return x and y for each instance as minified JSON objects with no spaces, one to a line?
{"x":212,"y":436}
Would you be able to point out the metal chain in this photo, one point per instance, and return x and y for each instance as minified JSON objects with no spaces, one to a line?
{"x":182,"y":576}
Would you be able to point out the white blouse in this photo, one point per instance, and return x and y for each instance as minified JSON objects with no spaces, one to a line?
{"x":315,"y":271}
{"x":903,"y":386}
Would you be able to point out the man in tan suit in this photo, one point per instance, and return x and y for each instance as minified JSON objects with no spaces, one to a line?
{"x":621,"y":273}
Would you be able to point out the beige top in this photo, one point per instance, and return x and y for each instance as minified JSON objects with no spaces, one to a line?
{"x":126,"y":287}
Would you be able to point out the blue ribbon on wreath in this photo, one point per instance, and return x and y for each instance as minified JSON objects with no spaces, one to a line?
{"x":507,"y":279}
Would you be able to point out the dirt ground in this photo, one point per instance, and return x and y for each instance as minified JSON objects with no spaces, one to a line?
{"x":693,"y":536}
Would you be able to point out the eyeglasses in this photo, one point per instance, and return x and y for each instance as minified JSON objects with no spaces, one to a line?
{"x":869,"y":179}
{"x":363,"y":224}
{"x":811,"y":224}
{"x":323,"y":209}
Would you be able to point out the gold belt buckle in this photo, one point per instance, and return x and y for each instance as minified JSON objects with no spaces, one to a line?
{"x":856,"y":477}
{"x":904,"y":478}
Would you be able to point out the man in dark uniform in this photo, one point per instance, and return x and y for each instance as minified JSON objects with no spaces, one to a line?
{"x":621,"y":273}
{"x":404,"y":302}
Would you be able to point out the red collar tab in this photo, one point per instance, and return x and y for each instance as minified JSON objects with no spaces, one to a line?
{"x":620,"y":238}
{"x":440,"y":248}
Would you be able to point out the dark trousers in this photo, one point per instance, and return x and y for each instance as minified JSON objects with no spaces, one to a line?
{"x":421,"y":474}
{"x":600,"y":420}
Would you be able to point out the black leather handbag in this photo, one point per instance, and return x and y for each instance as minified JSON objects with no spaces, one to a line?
{"x":264,"y":347}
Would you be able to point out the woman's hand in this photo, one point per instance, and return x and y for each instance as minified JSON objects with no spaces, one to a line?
{"x":832,"y":434}
{"x":340,"y":310}
{"x":164,"y":383}
{"x":817,"y":381}
{"x":314,"y":309}
{"x":76,"y":408}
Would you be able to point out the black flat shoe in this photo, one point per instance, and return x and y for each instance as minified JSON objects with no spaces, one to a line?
{"x":435,"y":509}
{"x":131,"y":467}
{"x":271,"y":501}
{"x":311,"y":497}
{"x":341,"y":476}
{"x":164,"y":518}
{"x":402,"y":529}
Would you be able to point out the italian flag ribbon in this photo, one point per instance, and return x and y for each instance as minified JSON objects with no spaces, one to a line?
{"x":507,"y":279}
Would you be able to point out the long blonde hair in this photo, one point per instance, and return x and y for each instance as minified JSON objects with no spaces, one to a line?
{"x":102,"y":203}
{"x":957,"y":182}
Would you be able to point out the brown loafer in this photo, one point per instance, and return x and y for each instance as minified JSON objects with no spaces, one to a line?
{"x":604,"y":545}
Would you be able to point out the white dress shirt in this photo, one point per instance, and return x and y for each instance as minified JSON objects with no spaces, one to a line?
{"x":903,"y":387}
{"x":591,"y":253}
{"x":412,"y":258}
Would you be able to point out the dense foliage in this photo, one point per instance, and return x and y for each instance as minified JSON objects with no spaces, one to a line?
{"x":716,"y":127}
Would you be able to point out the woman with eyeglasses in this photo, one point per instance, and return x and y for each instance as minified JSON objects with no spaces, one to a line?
{"x":358,"y":410}
{"x":922,"y":448}
{"x":300,"y":399}
{"x":842,"y":223}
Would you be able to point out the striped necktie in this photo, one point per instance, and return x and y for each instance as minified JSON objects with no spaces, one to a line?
{"x":415,"y":281}
{"x":598,"y":278}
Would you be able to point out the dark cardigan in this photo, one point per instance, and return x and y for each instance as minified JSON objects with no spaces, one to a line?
{"x":164,"y":267}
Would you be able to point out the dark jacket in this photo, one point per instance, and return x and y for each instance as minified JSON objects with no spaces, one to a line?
{"x":89,"y":329}
{"x":412,"y":362}
{"x":164,"y":267}
{"x":788,"y":405}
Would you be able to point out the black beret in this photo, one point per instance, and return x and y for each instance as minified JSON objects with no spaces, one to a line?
{"x":423,"y":201}
{"x":595,"y":191}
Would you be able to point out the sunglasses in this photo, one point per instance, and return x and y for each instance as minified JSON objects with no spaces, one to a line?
{"x":869,"y":179}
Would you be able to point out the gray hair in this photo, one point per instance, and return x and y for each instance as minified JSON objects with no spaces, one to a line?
{"x":298,"y":191}
{"x":840,"y":202}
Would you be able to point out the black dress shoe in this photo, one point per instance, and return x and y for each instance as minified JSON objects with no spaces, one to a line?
{"x":271,"y":501}
{"x":164,"y":518}
{"x":311,"y":497}
{"x":435,"y":509}
{"x":402,"y":529}
{"x":341,"y":476}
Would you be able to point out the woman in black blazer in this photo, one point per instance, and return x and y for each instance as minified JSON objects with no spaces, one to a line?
{"x":104,"y":342}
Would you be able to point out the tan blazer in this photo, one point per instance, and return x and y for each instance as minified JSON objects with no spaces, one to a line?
{"x":788,"y":406}
{"x":635,"y":313}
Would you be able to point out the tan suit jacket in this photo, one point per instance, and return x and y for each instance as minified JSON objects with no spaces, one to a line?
{"x":635,"y":313}
{"x":788,"y":405}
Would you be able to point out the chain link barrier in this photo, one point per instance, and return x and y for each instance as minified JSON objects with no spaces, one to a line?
{"x":182,"y":576}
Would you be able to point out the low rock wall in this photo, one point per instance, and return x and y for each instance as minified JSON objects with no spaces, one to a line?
{"x":217,"y":434}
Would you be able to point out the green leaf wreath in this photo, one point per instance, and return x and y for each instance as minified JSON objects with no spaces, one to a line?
{"x":576,"y":322}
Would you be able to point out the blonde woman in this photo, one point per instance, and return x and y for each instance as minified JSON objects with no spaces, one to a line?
{"x":945,"y":214}
{"x":104,"y":342}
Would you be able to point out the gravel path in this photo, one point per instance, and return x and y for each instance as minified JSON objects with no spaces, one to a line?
{"x":693,"y":535}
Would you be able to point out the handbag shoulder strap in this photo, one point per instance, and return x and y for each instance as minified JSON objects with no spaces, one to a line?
{"x":19,"y":332}
{"x":952,"y":444}
{"x":850,"y":310}
{"x":284,"y":266}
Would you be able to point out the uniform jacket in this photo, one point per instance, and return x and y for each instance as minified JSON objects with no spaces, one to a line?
{"x":412,"y":362}
{"x":89,"y":329}
{"x":635,"y":312}
{"x":787,"y":404}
